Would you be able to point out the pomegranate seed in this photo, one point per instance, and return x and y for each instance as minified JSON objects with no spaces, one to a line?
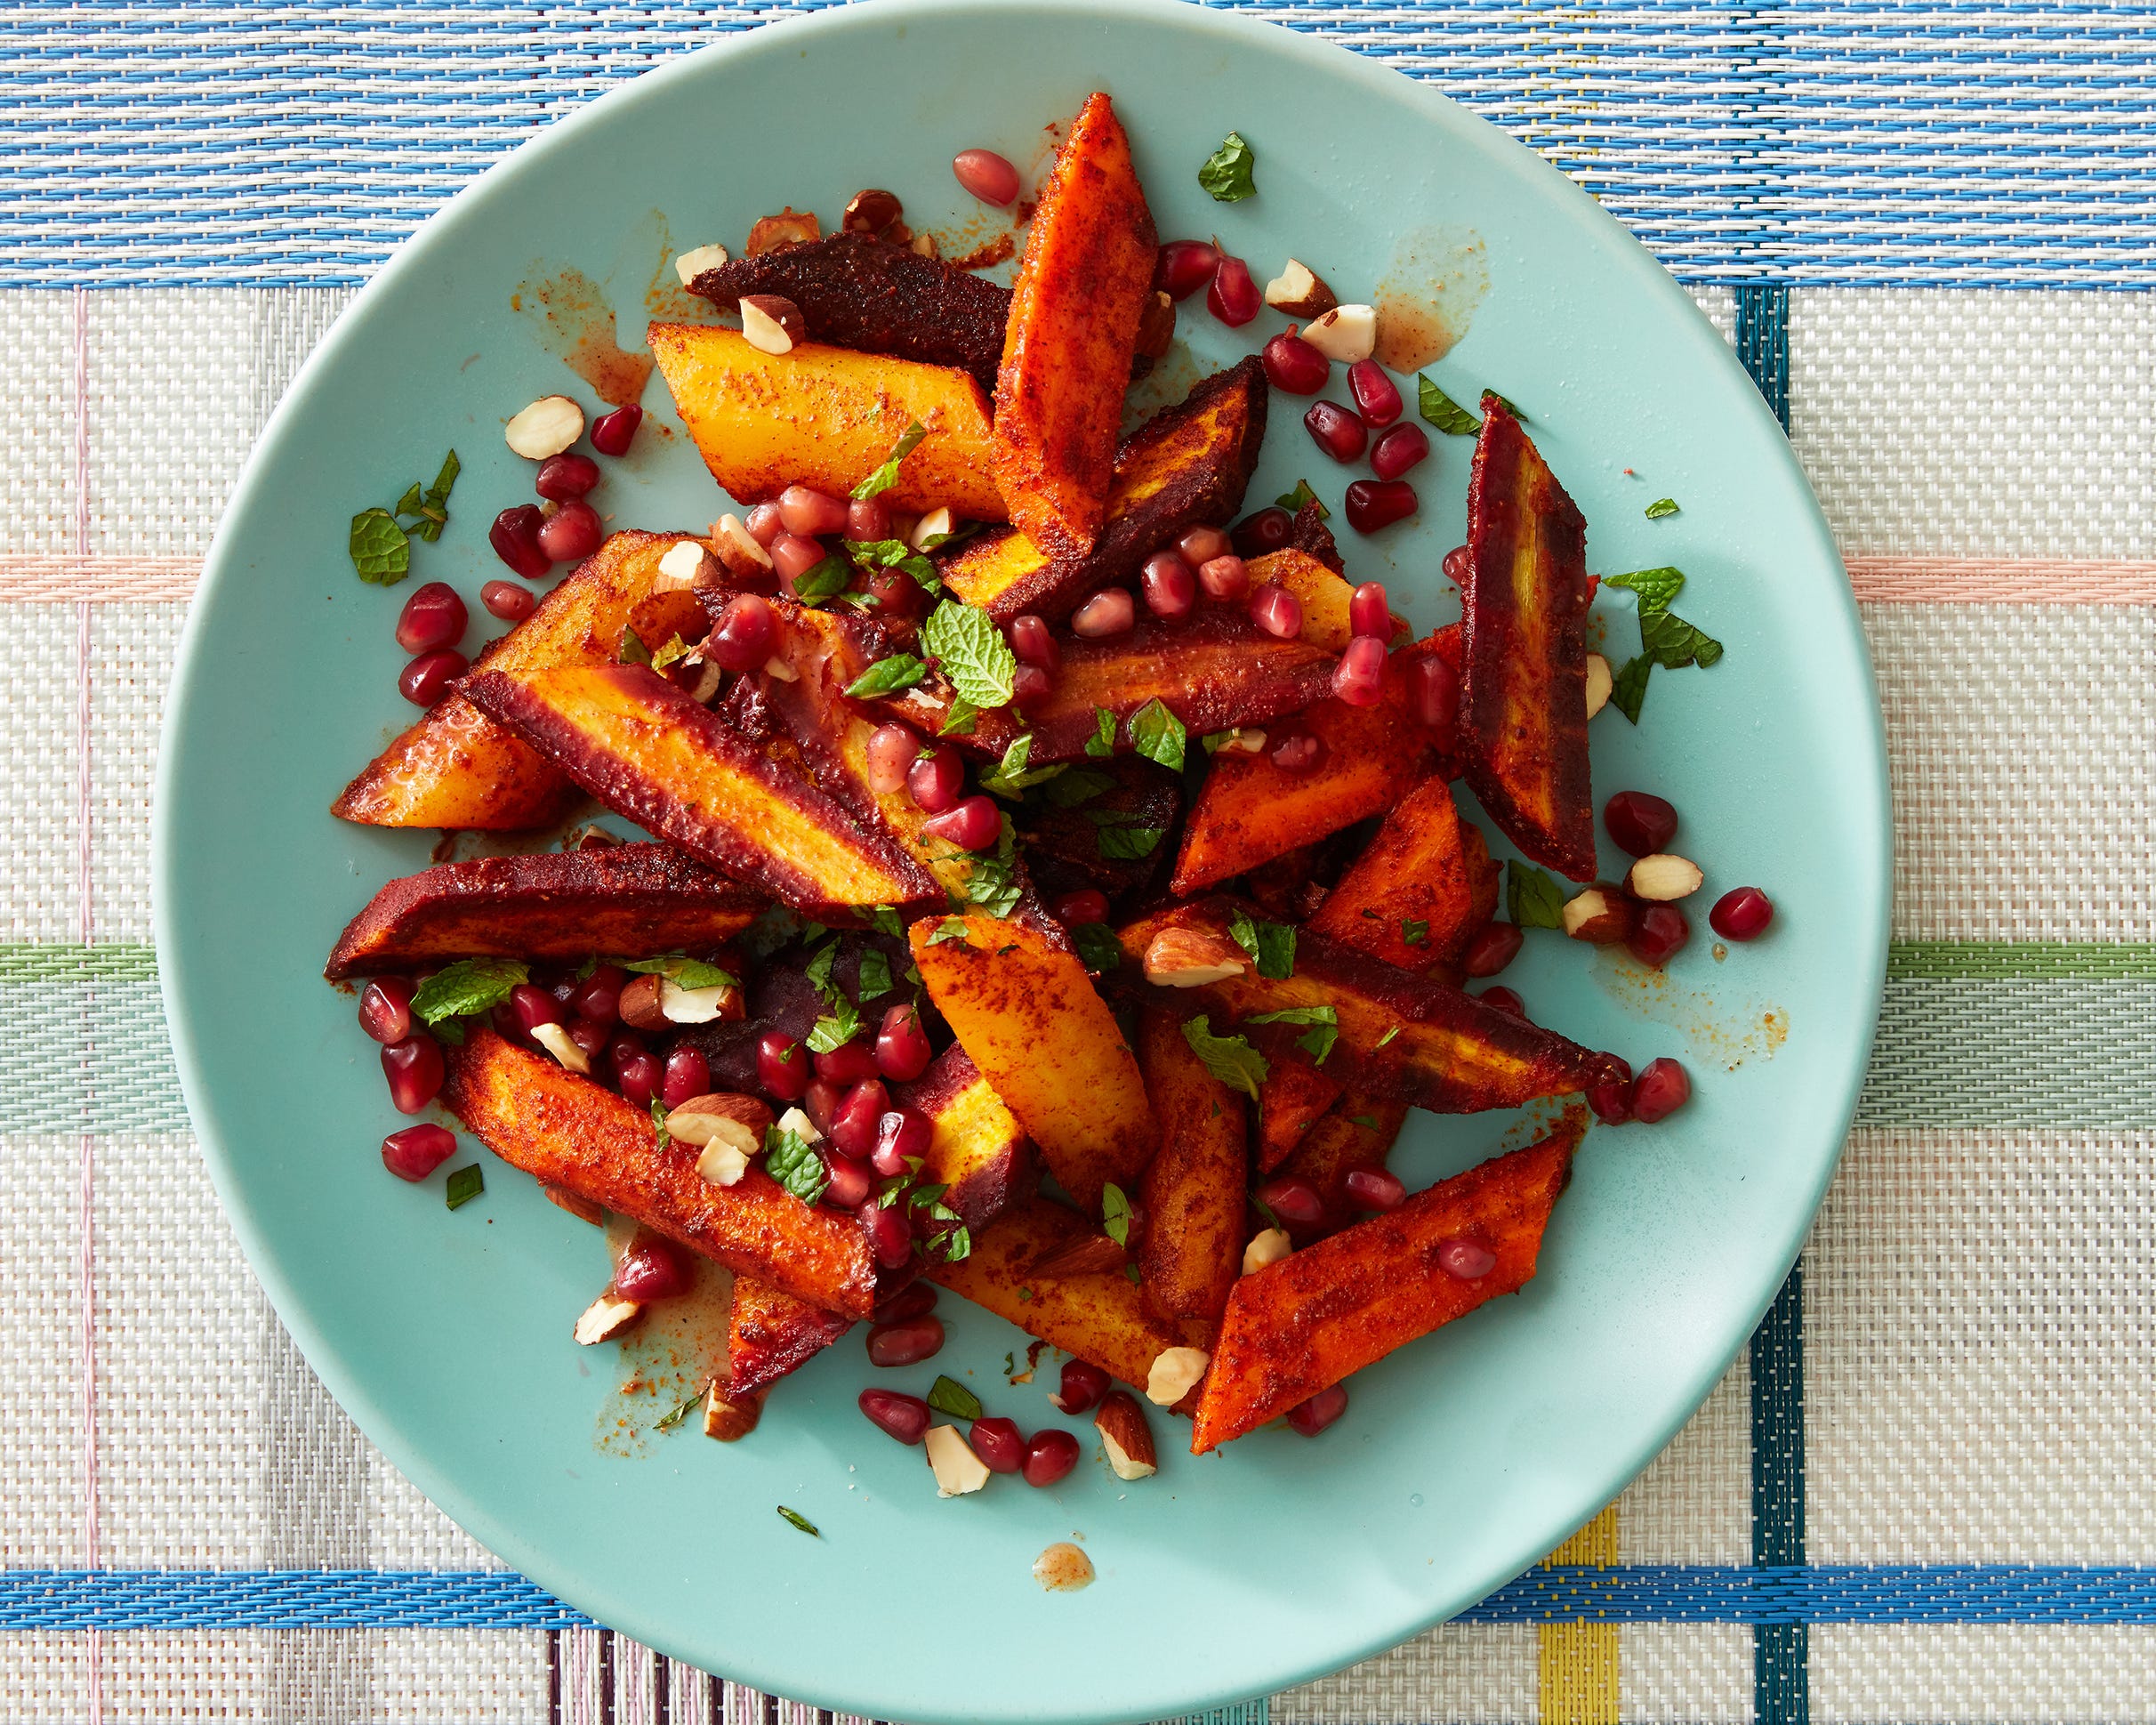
{"x":427,"y":678}
{"x":935,"y":779}
{"x":414,"y":1067}
{"x":417,"y":1152}
{"x":988,"y":176}
{"x":1375,"y":503}
{"x":515,"y":537}
{"x":1661,"y":1088}
{"x":1200,"y":546}
{"x":903,"y":1416}
{"x":687,"y":1074}
{"x":1224,"y":578}
{"x":1293,"y":1200}
{"x":1031,"y":643}
{"x":1087,"y":905}
{"x":891,"y":751}
{"x":1490,"y":951}
{"x":590,"y":1039}
{"x":1610,"y":1095}
{"x":1658,"y":935}
{"x":1455,"y":566}
{"x":509,"y":601}
{"x":1336,"y":431}
{"x":999,"y":1444}
{"x":1170,"y":585}
{"x":1276,"y":611}
{"x":1374,"y":1188}
{"x":1397,"y":451}
{"x":888,"y":1235}
{"x":746,"y":632}
{"x":563,"y":477}
{"x":1313,"y":1416}
{"x":532,"y":1006}
{"x":1377,"y":398}
{"x":810,"y":514}
{"x":902,"y":1046}
{"x":1465,"y":1261}
{"x":868,"y":518}
{"x":433,"y":617}
{"x":1113,"y":612}
{"x":1052,"y":1455}
{"x":781,"y":1066}
{"x":613,"y":433}
{"x":1742,"y":913}
{"x":572,"y":533}
{"x":1234,"y":298}
{"x":1293,"y":366}
{"x":650,"y":1270}
{"x":1298,"y":751}
{"x":847,"y":1183}
{"x":915,"y":1300}
{"x":850,"y":1063}
{"x":1505,"y":1001}
{"x":637,"y":1073}
{"x":1185,"y":266}
{"x":907,"y":1342}
{"x":1367,"y":614}
{"x":853,"y":1128}
{"x":902,"y":1135}
{"x":974,"y":825}
{"x":1359,"y":678}
{"x":1639,"y":822}
{"x":820,"y":1102}
{"x":385,"y":1009}
{"x":764,"y":524}
{"x":793,"y":556}
{"x":1268,"y":529}
{"x":599,"y":997}
{"x":1083,"y":1385}
{"x":1433,"y":688}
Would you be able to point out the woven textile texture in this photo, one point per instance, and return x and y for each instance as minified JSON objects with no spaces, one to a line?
{"x":1926,"y":1493}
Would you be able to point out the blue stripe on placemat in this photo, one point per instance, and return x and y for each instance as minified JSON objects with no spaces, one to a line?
{"x":1788,"y":1596}
{"x":157,"y":142}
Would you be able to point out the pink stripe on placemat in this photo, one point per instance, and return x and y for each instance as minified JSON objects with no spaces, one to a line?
{"x":81,"y":579}
{"x":2000,"y":581}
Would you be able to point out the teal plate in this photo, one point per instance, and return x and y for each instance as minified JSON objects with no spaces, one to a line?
{"x":1463,"y":1458}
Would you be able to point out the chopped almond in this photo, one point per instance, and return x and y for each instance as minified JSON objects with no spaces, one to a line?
{"x":1125,"y":1436}
{"x":1174,"y":1370}
{"x":555,"y":1040}
{"x":604,"y":1319}
{"x":1268,"y":1247}
{"x":1299,"y":291}
{"x":1600,"y":916}
{"x":957,"y":1468}
{"x":1663,"y":877}
{"x":1190,"y":958}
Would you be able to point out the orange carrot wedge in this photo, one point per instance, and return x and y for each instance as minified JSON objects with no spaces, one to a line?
{"x":1194,"y":1190}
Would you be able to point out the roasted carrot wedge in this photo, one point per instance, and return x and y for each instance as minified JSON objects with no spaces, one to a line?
{"x":1302,"y":1323}
{"x":1024,"y":1010}
{"x":1522,"y":693}
{"x":647,"y":750}
{"x":1196,"y":1189}
{"x":1417,"y":895}
{"x":770,"y":1334}
{"x":1074,"y":309}
{"x":1295,"y":1092}
{"x":567,"y":1132}
{"x":977,"y":1151}
{"x":630,"y":900}
{"x":457,"y":768}
{"x":1186,"y":467}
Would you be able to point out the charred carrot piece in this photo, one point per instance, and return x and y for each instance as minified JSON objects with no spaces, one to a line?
{"x":1523,"y":696}
{"x":1356,"y":1131}
{"x":977,"y":1151}
{"x":1420,"y":891}
{"x":1302,"y":1323}
{"x":1294,"y":1094}
{"x":1194,"y":1190}
{"x":770,"y":1333}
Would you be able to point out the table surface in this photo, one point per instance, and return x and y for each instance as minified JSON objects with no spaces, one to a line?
{"x":1927,"y":1493}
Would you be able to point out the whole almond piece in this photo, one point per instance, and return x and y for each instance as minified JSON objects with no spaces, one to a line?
{"x":1347,"y":333}
{"x":721,"y":1118}
{"x":546,"y":428}
{"x":691,"y":264}
{"x":1299,"y":291}
{"x":737,"y":547}
{"x":687,"y":564}
{"x":1663,"y":877}
{"x":771,"y":322}
{"x":957,"y":1468}
{"x":1125,"y":1436}
{"x":1601,"y":915}
{"x":680,"y":1006}
{"x":1189,"y":959}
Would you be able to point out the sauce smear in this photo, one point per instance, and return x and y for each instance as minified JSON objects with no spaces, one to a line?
{"x":1063,"y":1569}
{"x":576,"y":322}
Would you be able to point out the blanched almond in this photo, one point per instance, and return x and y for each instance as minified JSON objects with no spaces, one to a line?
{"x":721,"y":1118}
{"x":1174,"y":1370}
{"x":737,"y":547}
{"x":771,"y":322}
{"x":555,"y":1039}
{"x":1663,"y":877}
{"x":937,"y":525}
{"x":801,"y":1125}
{"x":1598,"y":915}
{"x":691,"y":264}
{"x":1268,"y":1247}
{"x":1599,"y":682}
{"x":680,"y":1006}
{"x":1125,"y":1436}
{"x":1189,"y":959}
{"x":640,"y":1007}
{"x":684,"y":566}
{"x":957,"y":1468}
{"x":604,"y":1319}
{"x":722,"y":1164}
{"x":1299,"y":291}
{"x":546,"y":428}
{"x":1347,"y":333}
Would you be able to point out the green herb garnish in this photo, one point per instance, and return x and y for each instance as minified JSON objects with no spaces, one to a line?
{"x":1226,"y":174}
{"x":682,"y":970}
{"x":1661,"y":508}
{"x":1101,"y":744}
{"x":948,"y":1395}
{"x":1442,"y":412}
{"x":1097,"y":946}
{"x":800,"y":1521}
{"x":465,"y":1184}
{"x":1325,"y":1020}
{"x":1294,"y":501}
{"x":1532,"y":900}
{"x":1229,"y":1059}
{"x":886,"y":676}
{"x":1272,"y":945}
{"x":972,"y":653}
{"x":679,"y":1413}
{"x":1414,"y":930}
{"x":792,"y":1160}
{"x":467,"y":987}
{"x":885,"y":476}
{"x":1158,"y":735}
{"x":1115,"y":1213}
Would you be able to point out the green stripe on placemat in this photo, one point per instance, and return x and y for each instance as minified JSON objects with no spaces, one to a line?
{"x":2026,"y":960}
{"x":67,"y":962}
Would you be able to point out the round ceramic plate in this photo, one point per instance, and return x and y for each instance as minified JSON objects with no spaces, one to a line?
{"x":1463,"y":1458}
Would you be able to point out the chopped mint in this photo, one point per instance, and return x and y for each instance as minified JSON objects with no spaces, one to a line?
{"x":1228,"y":172}
{"x":467,"y":986}
{"x":1158,"y":735}
{"x":887,"y":475}
{"x":465,"y":1184}
{"x":972,"y":652}
{"x":1532,"y":900}
{"x":1229,"y":1059}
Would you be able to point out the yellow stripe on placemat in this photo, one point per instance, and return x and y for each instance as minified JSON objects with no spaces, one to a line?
{"x":1576,"y":1663}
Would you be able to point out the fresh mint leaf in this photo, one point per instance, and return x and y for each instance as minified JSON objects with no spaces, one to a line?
{"x":1673,"y":643}
{"x":952,"y":928}
{"x":798,"y":1520}
{"x":1115,"y":1213}
{"x":1271,"y":944}
{"x":1442,"y":412}
{"x":832,"y":574}
{"x":1414,"y":930}
{"x":1294,"y":500}
{"x":1228,"y":172}
{"x":954,"y":1245}
{"x":1158,"y":735}
{"x":466,"y":986}
{"x":465,"y":1184}
{"x":1128,"y":843}
{"x":630,"y":650}
{"x":1368,"y":1122}
{"x":993,"y":881}
{"x":382,"y":551}
{"x":888,"y":921}
{"x":1657,"y":588}
{"x":1381,"y":1043}
{"x":895,"y":554}
{"x":1510,"y":406}
{"x":1011,"y":776}
{"x":818,"y":972}
{"x":436,"y":500}
{"x":792,"y":1160}
{"x":959,"y":720}
{"x":1661,"y":508}
{"x":972,"y":652}
{"x":1628,"y":687}
{"x":886,"y":676}
{"x":679,"y":1413}
{"x":1075,"y":785}
{"x":948,"y":1395}
{"x":885,"y":476}
{"x":658,"y":1121}
{"x":875,"y":974}
{"x":1097,"y":946}
{"x":682,"y":971}
{"x":1101,"y":744}
{"x":836,"y":1028}
{"x":675,"y":650}
{"x":1532,"y":900}
{"x":1325,"y":1021}
{"x":1229,"y":1059}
